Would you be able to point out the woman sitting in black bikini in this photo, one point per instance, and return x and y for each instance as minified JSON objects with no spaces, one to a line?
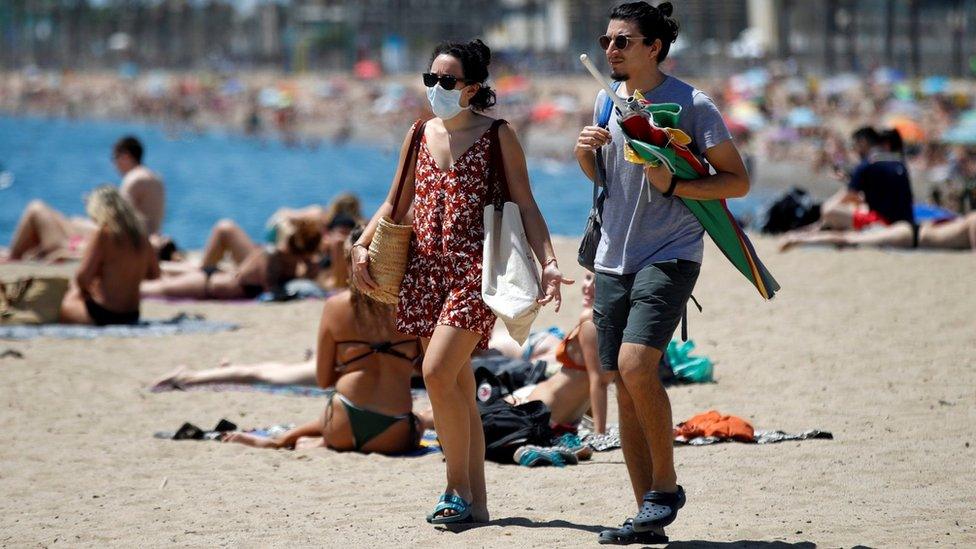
{"x":118,"y":257}
{"x":370,"y":365}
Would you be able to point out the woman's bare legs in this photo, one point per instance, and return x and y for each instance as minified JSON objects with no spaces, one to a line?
{"x":269,"y":373}
{"x":837,"y":213}
{"x":898,"y":235}
{"x":287,"y":440}
{"x":227,"y":236}
{"x":971,"y":223}
{"x":450,"y":385}
{"x":41,"y":230}
{"x":194,"y":285}
{"x":958,"y":234}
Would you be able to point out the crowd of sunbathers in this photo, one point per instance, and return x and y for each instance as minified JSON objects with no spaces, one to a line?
{"x":371,"y":366}
{"x":876,"y":207}
{"x":124,"y":256}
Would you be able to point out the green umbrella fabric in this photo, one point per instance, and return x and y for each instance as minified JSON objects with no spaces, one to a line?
{"x":714,"y":215}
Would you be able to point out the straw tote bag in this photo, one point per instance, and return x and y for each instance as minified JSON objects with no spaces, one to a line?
{"x":388,"y":251}
{"x":34,"y":300}
{"x":510,"y":278}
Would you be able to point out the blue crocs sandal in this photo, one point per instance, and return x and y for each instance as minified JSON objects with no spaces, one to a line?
{"x":659,"y":509}
{"x":454,"y":503}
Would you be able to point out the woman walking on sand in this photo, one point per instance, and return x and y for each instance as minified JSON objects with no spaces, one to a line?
{"x":440,"y":297}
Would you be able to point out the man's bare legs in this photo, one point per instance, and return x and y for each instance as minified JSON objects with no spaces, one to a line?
{"x":646,"y":427}
{"x":450,"y":386}
{"x":227,"y":236}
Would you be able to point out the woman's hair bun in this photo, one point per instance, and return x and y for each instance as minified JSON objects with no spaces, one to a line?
{"x":484,"y":53}
{"x":665,"y":8}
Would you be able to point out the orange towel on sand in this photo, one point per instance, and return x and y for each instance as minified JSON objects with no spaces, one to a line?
{"x":714,"y":424}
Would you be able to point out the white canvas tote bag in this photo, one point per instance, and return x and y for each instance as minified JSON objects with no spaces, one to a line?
{"x":510,"y":277}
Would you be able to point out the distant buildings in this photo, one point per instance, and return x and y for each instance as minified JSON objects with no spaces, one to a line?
{"x":717,"y":36}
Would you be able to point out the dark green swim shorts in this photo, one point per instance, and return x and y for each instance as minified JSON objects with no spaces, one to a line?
{"x":644,"y":307}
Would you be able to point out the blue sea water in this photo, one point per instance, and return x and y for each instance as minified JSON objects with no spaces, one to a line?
{"x":213,"y":175}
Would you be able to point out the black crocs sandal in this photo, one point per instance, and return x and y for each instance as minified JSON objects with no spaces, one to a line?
{"x":658,"y":509}
{"x":625,"y":535}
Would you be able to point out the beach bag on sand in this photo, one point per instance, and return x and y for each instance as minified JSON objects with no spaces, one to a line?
{"x":509,"y":278}
{"x":497,"y":376}
{"x":388,"y":251}
{"x":35,"y":300}
{"x":794,"y":209}
{"x":507,"y":428}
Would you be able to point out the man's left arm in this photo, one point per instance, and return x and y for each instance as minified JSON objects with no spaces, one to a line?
{"x":730,"y":180}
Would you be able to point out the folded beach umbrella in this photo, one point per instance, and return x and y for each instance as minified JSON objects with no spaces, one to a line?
{"x":656,"y":139}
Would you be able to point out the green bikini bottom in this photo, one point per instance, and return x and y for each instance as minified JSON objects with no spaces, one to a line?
{"x":367,"y":425}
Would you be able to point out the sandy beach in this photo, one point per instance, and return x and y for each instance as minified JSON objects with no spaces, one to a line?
{"x":874,"y":346}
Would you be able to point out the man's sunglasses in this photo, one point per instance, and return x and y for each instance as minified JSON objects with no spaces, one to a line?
{"x":621,"y":41}
{"x":446,"y":80}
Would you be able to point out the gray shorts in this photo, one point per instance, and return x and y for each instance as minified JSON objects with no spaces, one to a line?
{"x":643,"y":308}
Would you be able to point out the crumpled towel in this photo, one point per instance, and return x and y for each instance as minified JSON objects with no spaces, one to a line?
{"x":714,"y":424}
{"x":719,"y":431}
{"x":604,"y":442}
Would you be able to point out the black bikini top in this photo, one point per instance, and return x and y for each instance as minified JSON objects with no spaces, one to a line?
{"x":384,"y":347}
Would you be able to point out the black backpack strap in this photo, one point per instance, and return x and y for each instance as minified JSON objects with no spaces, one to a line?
{"x":684,"y":317}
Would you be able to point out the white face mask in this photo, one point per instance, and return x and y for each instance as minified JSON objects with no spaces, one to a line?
{"x":446,"y":104}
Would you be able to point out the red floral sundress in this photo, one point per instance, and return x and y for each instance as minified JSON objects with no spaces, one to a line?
{"x":442,"y":283}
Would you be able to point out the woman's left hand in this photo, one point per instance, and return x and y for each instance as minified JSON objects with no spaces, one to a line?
{"x":552,"y":280}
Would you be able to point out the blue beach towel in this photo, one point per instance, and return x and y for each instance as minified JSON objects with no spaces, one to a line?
{"x":930,"y":212}
{"x":178,"y":325}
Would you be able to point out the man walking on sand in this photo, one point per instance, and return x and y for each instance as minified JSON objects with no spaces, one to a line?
{"x":650,"y":253}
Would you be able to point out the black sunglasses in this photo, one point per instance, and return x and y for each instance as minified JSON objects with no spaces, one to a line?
{"x":621,"y":41}
{"x":446,"y":80}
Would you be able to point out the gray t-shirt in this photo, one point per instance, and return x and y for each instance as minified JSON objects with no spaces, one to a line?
{"x":638,"y":231}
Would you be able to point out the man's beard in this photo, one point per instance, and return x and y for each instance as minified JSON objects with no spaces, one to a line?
{"x":618,"y":76}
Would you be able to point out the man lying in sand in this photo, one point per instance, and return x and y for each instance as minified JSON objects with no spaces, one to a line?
{"x":118,"y":256}
{"x":262,"y":270}
{"x":956,"y":234}
{"x":45,"y":233}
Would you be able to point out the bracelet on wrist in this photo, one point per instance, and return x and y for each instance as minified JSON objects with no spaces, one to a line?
{"x":670,"y":192}
{"x":548,"y":261}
